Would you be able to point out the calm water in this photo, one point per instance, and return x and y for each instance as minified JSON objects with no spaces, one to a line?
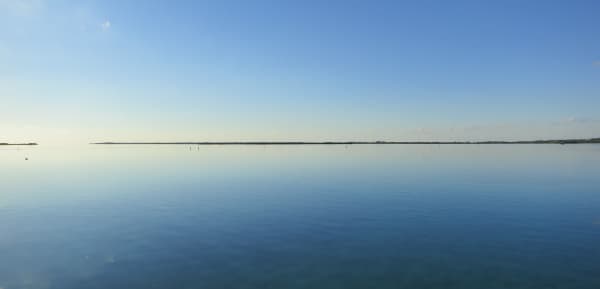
{"x":388,"y":216}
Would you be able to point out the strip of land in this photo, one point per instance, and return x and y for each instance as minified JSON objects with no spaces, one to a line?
{"x":560,"y":141}
{"x":18,"y":144}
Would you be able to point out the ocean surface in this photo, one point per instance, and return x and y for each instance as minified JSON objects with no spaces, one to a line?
{"x":359,"y":216}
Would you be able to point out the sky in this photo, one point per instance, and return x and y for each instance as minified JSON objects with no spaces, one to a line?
{"x":84,"y":71}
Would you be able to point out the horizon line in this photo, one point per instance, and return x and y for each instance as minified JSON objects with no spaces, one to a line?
{"x":546,"y":141}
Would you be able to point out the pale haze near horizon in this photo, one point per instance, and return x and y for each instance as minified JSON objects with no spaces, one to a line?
{"x":86,"y":71}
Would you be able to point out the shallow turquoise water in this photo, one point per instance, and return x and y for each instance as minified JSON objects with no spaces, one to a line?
{"x":370,"y":216}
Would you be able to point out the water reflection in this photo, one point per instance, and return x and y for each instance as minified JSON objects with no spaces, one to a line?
{"x":420,"y":216}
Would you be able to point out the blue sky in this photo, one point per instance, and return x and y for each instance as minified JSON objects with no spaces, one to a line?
{"x":298,"y":70}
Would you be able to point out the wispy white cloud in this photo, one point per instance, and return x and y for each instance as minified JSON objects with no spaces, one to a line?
{"x":27,"y":132}
{"x":576,"y":120}
{"x":21,"y":7}
{"x":105,"y":25}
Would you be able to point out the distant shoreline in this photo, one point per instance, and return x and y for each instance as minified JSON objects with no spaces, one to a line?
{"x":18,"y":144}
{"x":563,"y":141}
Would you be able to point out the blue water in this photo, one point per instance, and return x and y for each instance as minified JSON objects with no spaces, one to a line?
{"x":367,"y":216}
